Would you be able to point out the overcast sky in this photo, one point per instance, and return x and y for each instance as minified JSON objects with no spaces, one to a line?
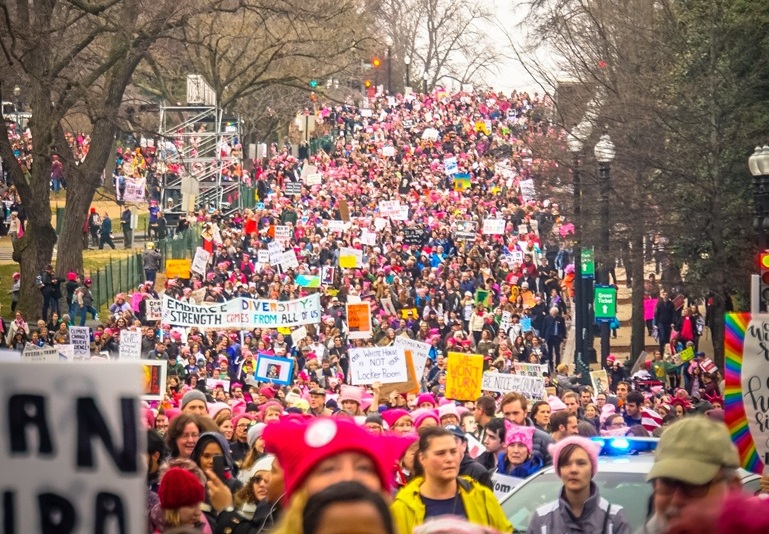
{"x":512,"y":74}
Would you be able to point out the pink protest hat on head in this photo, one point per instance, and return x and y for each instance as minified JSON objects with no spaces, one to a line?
{"x":519,"y":434}
{"x":591,"y":447}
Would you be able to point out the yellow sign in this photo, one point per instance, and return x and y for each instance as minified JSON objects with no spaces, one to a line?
{"x":348,"y":262}
{"x":464,"y":374}
{"x":180,"y":268}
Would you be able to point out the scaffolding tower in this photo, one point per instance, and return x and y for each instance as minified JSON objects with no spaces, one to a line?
{"x":197,"y":153}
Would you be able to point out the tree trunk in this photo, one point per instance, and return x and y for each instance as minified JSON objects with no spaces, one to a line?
{"x":33,"y":252}
{"x":638,"y":325}
{"x":719,"y":310}
{"x":70,"y":251}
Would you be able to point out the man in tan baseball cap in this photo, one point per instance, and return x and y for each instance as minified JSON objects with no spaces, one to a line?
{"x":695,"y":464}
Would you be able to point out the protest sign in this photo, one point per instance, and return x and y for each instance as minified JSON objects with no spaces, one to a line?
{"x":411,"y":385}
{"x":313,"y":179}
{"x":415,"y":235}
{"x":73,"y":457}
{"x":380,"y":223}
{"x":461,"y":182}
{"x":708,"y":366}
{"x":466,"y":230}
{"x":368,"y":238}
{"x":308,"y":169}
{"x":292,"y":188}
{"x":214,"y":383}
{"x":420,"y":352}
{"x":600,"y":381}
{"x":388,"y":208}
{"x":527,"y":190}
{"x":388,"y":151}
{"x":298,"y":334}
{"x":386,"y":365}
{"x":529,"y":369}
{"x":529,"y":386}
{"x":327,"y":275}
{"x":526,"y":324}
{"x":130,"y":345}
{"x":450,"y":165}
{"x":283,"y":233}
{"x":180,"y":268}
{"x":359,"y":320}
{"x":387,"y":305}
{"x":155,"y":374}
{"x":306,"y":280}
{"x":474,"y":447}
{"x":464,"y":374}
{"x":274,"y":369}
{"x":262,"y":256}
{"x":504,"y":484}
{"x":747,"y":387}
{"x":200,"y":261}
{"x":33,"y":353}
{"x":134,"y":189}
{"x":66,"y":350}
{"x":402,"y":214}
{"x":243,"y":313}
{"x":154,"y":309}
{"x":350,"y":258}
{"x":493,"y":226}
{"x":287,"y":260}
{"x":344,"y":210}
{"x":80,"y":337}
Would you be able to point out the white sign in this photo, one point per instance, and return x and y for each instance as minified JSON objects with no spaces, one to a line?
{"x":388,"y":208}
{"x":33,"y":353}
{"x":134,"y":189}
{"x":337,"y":226}
{"x":365,"y":112}
{"x":368,"y":238}
{"x":243,"y":313}
{"x":402,"y":214}
{"x":130,"y":345}
{"x":287,"y":260}
{"x":348,"y":252}
{"x":527,"y":190}
{"x":530,"y":386}
{"x":66,"y":351}
{"x":388,"y":151}
{"x":450,"y":165}
{"x":73,"y":448}
{"x":262,"y":256}
{"x":420,"y":353}
{"x":274,"y":249}
{"x":80,"y":337}
{"x":504,"y":484}
{"x":754,"y":381}
{"x":313,"y":179}
{"x":380,"y":224}
{"x":154,"y":309}
{"x":282,"y":233}
{"x":493,"y":226}
{"x":529,"y":369}
{"x":386,"y":365}
{"x":200,"y":262}
{"x":298,"y":334}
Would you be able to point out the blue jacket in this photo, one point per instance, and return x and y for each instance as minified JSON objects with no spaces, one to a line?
{"x":529,"y":467}
{"x":106,"y":226}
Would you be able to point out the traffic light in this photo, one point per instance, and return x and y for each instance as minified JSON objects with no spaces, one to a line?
{"x":367,"y":83}
{"x":763,"y":265}
{"x":313,"y":83}
{"x":376,"y":62}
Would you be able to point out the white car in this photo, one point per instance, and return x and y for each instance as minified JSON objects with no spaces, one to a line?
{"x":621,"y":479}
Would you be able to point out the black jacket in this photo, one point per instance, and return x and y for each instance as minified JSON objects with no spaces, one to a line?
{"x":476,"y":471}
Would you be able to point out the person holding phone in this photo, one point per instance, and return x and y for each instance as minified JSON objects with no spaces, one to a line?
{"x":212,"y":453}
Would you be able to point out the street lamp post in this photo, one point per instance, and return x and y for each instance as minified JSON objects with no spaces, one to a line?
{"x":424,"y":83}
{"x":407,"y":61}
{"x":604,"y":153}
{"x":575,"y":147}
{"x":17,"y":105}
{"x":389,"y":70}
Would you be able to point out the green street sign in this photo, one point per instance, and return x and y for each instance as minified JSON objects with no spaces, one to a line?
{"x":605,"y":303}
{"x":588,"y":263}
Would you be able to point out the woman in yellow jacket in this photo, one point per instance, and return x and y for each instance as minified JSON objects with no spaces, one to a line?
{"x":441,"y":491}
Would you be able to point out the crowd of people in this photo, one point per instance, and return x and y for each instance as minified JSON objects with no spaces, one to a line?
{"x":409,"y":184}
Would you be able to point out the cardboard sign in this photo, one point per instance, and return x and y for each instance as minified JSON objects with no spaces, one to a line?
{"x":464,"y":375}
{"x":344,"y":210}
{"x":80,"y":337}
{"x":386,"y":365}
{"x":529,"y":369}
{"x":155,"y":375}
{"x":420,"y":352}
{"x":73,"y":453}
{"x":200,"y":261}
{"x":154,"y":309}
{"x":530,"y":386}
{"x":600,"y":381}
{"x":493,"y":226}
{"x":130,"y":345}
{"x":412,"y":385}
{"x":359,"y":320}
{"x":180,"y":268}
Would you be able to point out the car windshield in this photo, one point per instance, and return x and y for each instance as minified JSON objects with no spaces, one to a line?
{"x":629,"y":490}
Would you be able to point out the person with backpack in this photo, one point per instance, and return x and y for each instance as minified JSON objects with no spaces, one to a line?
{"x":94,"y":224}
{"x":85,"y":302}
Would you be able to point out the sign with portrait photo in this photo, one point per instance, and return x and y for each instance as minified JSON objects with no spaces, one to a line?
{"x":274,"y":369}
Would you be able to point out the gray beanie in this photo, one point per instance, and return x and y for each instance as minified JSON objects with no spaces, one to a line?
{"x":254,"y":433}
{"x":194,"y":394}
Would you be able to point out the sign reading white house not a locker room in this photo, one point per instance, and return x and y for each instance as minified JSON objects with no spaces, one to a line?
{"x":72,"y":448}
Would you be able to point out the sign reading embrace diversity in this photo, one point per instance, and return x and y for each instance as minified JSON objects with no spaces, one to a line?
{"x":243,"y":313}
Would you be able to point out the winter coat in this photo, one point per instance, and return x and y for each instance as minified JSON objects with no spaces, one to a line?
{"x":527,"y":468}
{"x":481,"y":506}
{"x":556,"y":517}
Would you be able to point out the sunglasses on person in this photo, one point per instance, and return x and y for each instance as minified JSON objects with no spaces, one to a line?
{"x":668,"y":486}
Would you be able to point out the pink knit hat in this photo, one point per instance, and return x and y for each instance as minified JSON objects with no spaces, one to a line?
{"x":448,"y":409}
{"x":350,"y":393}
{"x":393,"y":416}
{"x":556,"y":404}
{"x":591,"y":447}
{"x":426,"y":397}
{"x":429,"y":414}
{"x":519,"y":434}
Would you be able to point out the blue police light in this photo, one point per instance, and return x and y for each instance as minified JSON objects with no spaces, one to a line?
{"x":619,"y":446}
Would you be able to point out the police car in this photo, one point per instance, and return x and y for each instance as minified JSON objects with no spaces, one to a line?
{"x":621,"y":479}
